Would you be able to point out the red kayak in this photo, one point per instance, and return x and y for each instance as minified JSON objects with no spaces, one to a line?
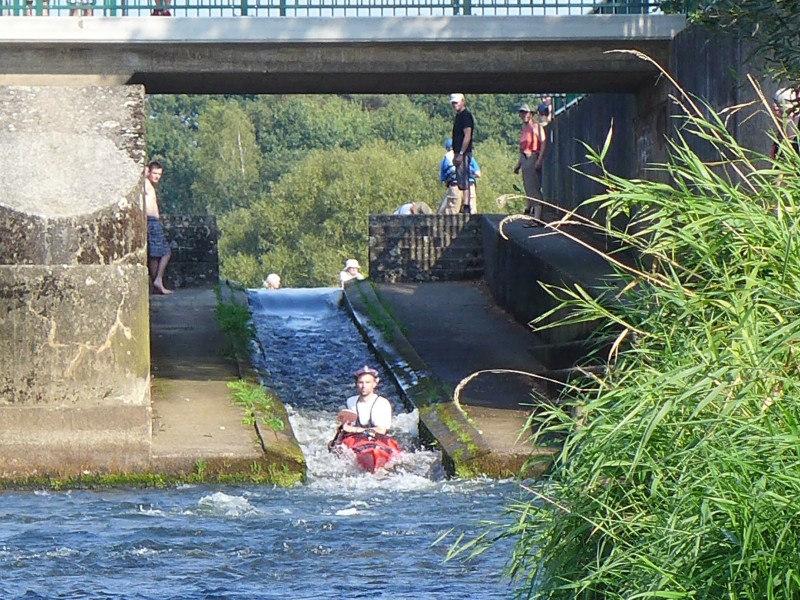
{"x":372,"y":450}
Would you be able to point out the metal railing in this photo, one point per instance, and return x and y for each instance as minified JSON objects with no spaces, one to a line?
{"x":324,"y":8}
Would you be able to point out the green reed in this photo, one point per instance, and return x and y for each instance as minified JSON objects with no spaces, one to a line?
{"x":681,"y":478}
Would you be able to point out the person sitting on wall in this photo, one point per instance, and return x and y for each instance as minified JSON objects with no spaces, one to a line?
{"x":414,"y":208}
{"x":351,"y":271}
{"x":273,"y":281}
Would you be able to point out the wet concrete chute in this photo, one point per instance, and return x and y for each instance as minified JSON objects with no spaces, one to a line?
{"x":307,"y":350}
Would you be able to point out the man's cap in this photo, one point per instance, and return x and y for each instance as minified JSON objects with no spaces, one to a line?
{"x":351,"y":263}
{"x":543,"y":109}
{"x":448,"y":143}
{"x":456,"y":98}
{"x":273,"y":279}
{"x":524,"y":108}
{"x":365,"y":370}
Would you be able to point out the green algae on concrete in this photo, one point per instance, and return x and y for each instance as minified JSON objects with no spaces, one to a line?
{"x":207,"y":472}
{"x":263,"y":409}
{"x":466,"y":452}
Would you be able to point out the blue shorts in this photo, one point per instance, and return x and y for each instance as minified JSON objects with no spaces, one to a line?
{"x":157,"y":245}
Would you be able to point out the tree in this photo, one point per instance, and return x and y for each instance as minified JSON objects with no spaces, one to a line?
{"x":171,"y":124}
{"x":773,"y":27}
{"x":227,"y":161}
{"x":316,"y":216}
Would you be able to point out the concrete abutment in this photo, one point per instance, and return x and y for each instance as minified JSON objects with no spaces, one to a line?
{"x":74,"y":330}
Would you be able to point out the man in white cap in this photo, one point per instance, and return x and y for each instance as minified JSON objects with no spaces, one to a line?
{"x":463,"y":134}
{"x":273,"y":281}
{"x":351,"y":271}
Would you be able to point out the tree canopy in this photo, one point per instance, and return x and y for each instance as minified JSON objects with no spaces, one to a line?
{"x":773,"y":27}
{"x":293,"y":179}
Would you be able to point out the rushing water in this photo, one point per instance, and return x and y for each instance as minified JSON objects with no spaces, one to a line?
{"x":345,"y":534}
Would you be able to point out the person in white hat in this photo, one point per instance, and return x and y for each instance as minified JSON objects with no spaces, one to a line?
{"x":463,"y":134}
{"x":273,"y":281}
{"x":351,"y":271}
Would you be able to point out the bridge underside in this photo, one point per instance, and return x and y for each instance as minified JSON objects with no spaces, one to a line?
{"x":355,"y":55}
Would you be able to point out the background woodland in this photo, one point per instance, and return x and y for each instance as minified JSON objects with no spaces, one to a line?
{"x":293,"y":179}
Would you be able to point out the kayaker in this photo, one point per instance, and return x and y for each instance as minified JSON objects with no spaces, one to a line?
{"x":368,"y":411}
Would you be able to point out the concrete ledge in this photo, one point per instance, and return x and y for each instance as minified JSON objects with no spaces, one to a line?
{"x":68,"y":441}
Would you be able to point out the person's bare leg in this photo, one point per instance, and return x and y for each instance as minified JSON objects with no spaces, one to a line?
{"x":158,"y":280}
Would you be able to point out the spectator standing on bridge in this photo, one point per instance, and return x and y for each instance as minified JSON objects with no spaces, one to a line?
{"x":161,"y":9}
{"x":158,"y":251}
{"x":532,"y":146}
{"x":451,"y":202}
{"x":463,"y":134}
{"x":84,"y":8}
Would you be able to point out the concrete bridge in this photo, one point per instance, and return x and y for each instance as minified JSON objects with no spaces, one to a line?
{"x":75,"y":388}
{"x":311,"y":55}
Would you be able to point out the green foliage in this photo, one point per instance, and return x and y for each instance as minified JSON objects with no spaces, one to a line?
{"x":227,"y":160}
{"x":234,"y":320}
{"x":256,"y":403}
{"x":171,"y":138}
{"x":771,"y":25}
{"x":316,"y":216}
{"x":293,"y":179}
{"x":679,"y":476}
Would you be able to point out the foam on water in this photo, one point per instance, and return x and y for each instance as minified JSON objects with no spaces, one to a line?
{"x":310,"y":350}
{"x":345,"y":533}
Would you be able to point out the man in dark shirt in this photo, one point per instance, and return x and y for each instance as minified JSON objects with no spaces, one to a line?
{"x":463,"y":133}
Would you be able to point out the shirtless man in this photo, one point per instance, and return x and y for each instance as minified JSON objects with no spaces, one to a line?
{"x":157,"y":247}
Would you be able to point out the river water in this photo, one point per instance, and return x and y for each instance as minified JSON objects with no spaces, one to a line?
{"x":344,"y":534}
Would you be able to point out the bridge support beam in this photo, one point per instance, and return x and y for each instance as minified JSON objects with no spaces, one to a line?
{"x":74,"y":288}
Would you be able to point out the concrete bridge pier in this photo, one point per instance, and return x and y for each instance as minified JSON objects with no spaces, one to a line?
{"x":74,"y":289}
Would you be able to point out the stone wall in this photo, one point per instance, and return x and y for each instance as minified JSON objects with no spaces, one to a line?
{"x":74,"y":330}
{"x":195,"y":256}
{"x":425,"y":248}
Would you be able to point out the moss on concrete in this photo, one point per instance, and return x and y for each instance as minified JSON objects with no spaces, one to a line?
{"x":255,"y":473}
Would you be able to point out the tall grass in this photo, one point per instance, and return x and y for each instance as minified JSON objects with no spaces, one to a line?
{"x":682,"y":477}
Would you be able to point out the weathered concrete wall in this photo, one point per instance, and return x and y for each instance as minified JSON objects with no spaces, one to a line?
{"x":425,"y":248}
{"x":195,"y":256}
{"x":74,"y":330}
{"x":708,"y":66}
